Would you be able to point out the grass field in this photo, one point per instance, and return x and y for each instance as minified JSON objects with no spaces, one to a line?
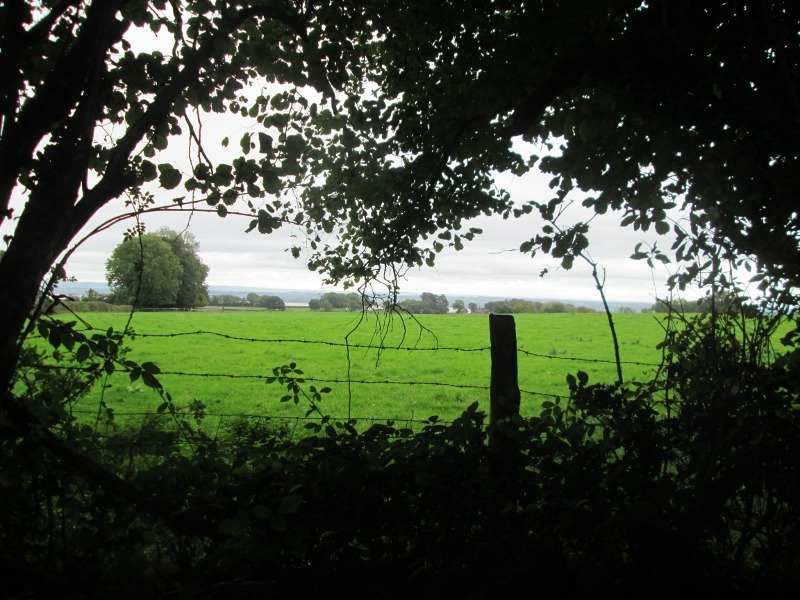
{"x":227,"y":374}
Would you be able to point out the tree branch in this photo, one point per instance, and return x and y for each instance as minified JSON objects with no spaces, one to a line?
{"x":115,"y":180}
{"x":58,"y":94}
{"x":12,"y":34}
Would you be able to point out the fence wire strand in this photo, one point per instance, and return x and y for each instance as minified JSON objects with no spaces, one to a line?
{"x":302,"y":341}
{"x":586,"y":360}
{"x":335,"y":380}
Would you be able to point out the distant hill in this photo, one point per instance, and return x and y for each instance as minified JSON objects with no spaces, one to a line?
{"x":303,"y":296}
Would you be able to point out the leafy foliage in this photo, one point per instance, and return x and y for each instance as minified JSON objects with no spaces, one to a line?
{"x":270,"y":302}
{"x":719,"y":302}
{"x":161,"y":269}
{"x":518,"y":306}
{"x":193,"y":290}
{"x":617,"y":489}
{"x":144,"y":271}
{"x":329,"y":301}
{"x":428,"y":304}
{"x":378,"y":133}
{"x":226,"y":300}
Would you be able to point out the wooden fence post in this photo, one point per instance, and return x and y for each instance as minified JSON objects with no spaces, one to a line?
{"x":504,"y":394}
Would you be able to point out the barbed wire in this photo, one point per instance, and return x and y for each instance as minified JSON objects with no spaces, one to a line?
{"x":253,"y":416}
{"x":302,"y":341}
{"x":117,"y":440}
{"x":586,"y":360}
{"x":384,"y":348}
{"x":304,"y":378}
{"x":362,"y":381}
{"x":184,"y":416}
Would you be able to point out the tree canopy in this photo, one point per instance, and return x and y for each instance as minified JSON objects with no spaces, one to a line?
{"x":159,"y":269}
{"x":384,"y":127}
{"x":144,"y":271}
{"x":193,"y":290}
{"x":270,"y":302}
{"x":427,"y":304}
{"x":225,"y":300}
{"x":377,"y":133}
{"x":518,"y":306}
{"x":93,"y":91}
{"x":645,"y":106}
{"x":329,"y":301}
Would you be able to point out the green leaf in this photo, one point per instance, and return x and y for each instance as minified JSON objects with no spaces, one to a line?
{"x":245,"y":143}
{"x":291,"y":166}
{"x":266,"y":222}
{"x":148,"y":171}
{"x":290,"y":504}
{"x":295,"y":144}
{"x":264,"y":143}
{"x":160,"y":142}
{"x":169,"y":177}
{"x":271,"y":181}
{"x":279,"y":523}
{"x":150,"y":367}
{"x":83,"y":353}
{"x":150,"y":381}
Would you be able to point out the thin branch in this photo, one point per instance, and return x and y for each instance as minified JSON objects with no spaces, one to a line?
{"x":600,"y":284}
{"x":600,"y":288}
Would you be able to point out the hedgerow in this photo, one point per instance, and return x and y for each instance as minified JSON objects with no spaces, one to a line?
{"x":617,"y":490}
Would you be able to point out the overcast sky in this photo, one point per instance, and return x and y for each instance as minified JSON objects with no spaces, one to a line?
{"x":489,"y":265}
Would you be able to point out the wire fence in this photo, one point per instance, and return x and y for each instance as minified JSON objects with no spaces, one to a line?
{"x":295,"y":422}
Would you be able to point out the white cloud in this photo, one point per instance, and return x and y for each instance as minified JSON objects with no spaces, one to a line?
{"x":489,"y":265}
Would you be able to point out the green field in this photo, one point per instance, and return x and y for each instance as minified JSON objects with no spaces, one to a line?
{"x":227,"y":374}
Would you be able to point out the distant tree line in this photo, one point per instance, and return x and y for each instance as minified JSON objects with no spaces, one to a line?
{"x":518,"y":306}
{"x":719,"y":303}
{"x":330,"y":301}
{"x":90,"y":301}
{"x":265,"y":301}
{"x":252,"y":299}
{"x":428,"y":304}
{"x":94,"y":301}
